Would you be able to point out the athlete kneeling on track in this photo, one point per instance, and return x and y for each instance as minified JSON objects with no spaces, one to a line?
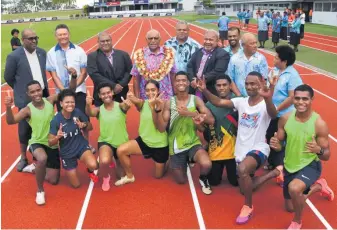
{"x":66,"y":130}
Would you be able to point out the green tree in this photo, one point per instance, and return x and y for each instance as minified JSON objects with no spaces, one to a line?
{"x":67,"y":2}
{"x":86,"y":9}
{"x":207,"y":3}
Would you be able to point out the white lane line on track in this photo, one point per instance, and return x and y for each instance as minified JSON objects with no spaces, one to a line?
{"x":310,"y":204}
{"x":91,"y":184}
{"x":196,"y":204}
{"x":17,"y":160}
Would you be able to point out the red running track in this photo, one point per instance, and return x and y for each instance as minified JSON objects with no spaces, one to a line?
{"x":151,"y":203}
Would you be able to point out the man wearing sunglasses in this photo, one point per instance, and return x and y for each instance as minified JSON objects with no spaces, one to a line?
{"x":23,"y":65}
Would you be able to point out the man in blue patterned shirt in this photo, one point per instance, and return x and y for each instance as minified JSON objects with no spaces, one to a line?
{"x":183,"y":45}
{"x":244,"y":62}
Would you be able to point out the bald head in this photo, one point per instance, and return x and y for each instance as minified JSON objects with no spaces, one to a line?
{"x":29,"y":39}
{"x":153,"y":40}
{"x":211,"y":39}
{"x":249,"y":43}
{"x":152,"y":33}
{"x":105,"y":42}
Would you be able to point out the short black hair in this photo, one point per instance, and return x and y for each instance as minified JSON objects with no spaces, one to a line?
{"x":103,"y":85}
{"x":225,"y":77}
{"x":156,"y":83}
{"x":257,"y":74}
{"x":286,"y":53}
{"x":66,"y":93}
{"x":233,"y":28}
{"x":305,"y":88}
{"x":223,"y":13}
{"x":33,"y":82}
{"x":181,"y":73}
{"x":61,"y":26}
{"x":14,"y":31}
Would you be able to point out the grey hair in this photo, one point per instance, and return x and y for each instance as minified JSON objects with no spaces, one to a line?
{"x":181,"y":22}
{"x":103,"y":33}
{"x":214,"y":32}
{"x":24,"y":31}
{"x":153,"y":30}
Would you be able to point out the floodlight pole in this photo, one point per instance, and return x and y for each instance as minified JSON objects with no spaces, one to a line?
{"x":35,"y":7}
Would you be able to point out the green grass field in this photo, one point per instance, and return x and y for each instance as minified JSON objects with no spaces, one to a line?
{"x":40,"y":14}
{"x":320,"y":59}
{"x":45,"y":30}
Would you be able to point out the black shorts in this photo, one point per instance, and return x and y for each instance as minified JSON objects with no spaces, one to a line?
{"x":113,"y":149}
{"x":80,"y":102}
{"x":53,"y":155}
{"x":275,"y":158}
{"x":258,"y":156}
{"x":247,"y":21}
{"x":70,"y":163}
{"x":309,"y":175}
{"x":159,"y":155}
{"x":215,"y":175}
{"x":24,"y":131}
{"x":223,"y":35}
{"x":180,"y":160}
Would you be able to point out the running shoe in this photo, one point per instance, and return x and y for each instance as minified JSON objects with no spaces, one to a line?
{"x":125,"y":180}
{"x":326,"y":190}
{"x":22,"y":164}
{"x":106,"y":183}
{"x":205,"y":186}
{"x":93,"y":177}
{"x":245,"y":214}
{"x":40,"y":199}
{"x":295,"y":225}
{"x":30,"y":168}
{"x":280,"y":178}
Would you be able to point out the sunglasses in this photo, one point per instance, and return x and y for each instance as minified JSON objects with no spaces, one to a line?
{"x":32,"y":38}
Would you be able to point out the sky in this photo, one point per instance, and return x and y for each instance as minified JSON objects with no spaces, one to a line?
{"x":81,"y":3}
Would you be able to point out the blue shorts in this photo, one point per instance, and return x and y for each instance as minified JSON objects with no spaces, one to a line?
{"x":308,"y":175}
{"x":71,"y":163}
{"x":258,"y":156}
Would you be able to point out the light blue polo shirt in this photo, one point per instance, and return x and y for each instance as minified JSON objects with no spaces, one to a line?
{"x":74,"y":57}
{"x":288,"y":80}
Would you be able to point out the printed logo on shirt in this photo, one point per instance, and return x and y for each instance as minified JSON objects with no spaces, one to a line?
{"x":250,"y":120}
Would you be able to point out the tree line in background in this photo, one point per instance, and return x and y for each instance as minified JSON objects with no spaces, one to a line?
{"x":23,"y":6}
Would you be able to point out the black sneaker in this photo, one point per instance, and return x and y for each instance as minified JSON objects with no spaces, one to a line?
{"x":205,"y":186}
{"x":22,"y":164}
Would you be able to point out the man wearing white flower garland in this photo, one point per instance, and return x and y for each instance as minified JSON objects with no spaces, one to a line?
{"x":153,"y":62}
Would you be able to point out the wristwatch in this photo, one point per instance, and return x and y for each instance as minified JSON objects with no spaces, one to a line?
{"x":321,"y":152}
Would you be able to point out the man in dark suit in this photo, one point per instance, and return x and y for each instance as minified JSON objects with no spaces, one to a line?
{"x":23,"y":65}
{"x":207,"y":62}
{"x":109,"y":65}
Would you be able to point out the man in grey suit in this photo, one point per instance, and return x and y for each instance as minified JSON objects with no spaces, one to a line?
{"x":109,"y":65}
{"x":23,"y":65}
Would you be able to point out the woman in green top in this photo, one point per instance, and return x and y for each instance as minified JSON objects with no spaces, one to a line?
{"x":150,"y":142}
{"x":112,"y":122}
{"x":38,"y":113}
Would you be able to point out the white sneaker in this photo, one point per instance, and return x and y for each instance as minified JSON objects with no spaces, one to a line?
{"x":40,"y":200}
{"x":125,"y":180}
{"x":205,"y":186}
{"x":29,"y":168}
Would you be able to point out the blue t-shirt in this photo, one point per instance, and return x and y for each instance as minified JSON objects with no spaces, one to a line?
{"x":288,"y":80}
{"x":223,"y":23}
{"x":73,"y":139}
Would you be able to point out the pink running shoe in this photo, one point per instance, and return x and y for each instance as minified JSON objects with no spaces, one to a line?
{"x":280,"y":178}
{"x":93,"y":177}
{"x":326,"y":190}
{"x":106,"y":183}
{"x":295,"y":225}
{"x":245,"y":214}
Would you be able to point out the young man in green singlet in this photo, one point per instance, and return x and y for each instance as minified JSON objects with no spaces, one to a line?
{"x":38,"y":114}
{"x":307,"y":143}
{"x":112,"y":123}
{"x":181,"y":112}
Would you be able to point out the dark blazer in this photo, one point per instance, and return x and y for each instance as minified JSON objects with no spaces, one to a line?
{"x":216,"y":64}
{"x":100,"y":70}
{"x":18,"y":74}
